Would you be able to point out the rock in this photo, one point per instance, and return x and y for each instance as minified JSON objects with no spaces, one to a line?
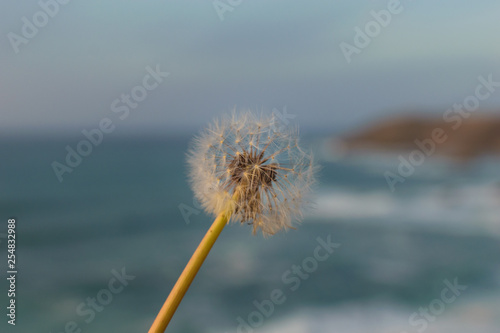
{"x":473,"y":137}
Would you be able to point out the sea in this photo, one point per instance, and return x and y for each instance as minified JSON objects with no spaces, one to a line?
{"x":100,"y":249}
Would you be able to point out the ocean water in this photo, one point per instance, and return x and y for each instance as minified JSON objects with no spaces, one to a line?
{"x":128,"y":209}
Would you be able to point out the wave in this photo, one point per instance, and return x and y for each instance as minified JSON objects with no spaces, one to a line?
{"x":462,"y":207}
{"x":480,"y":315}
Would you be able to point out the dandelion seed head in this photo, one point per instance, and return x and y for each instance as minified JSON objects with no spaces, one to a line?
{"x":253,"y":166}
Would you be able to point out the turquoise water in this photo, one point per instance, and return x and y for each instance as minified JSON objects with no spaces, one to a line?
{"x":121,"y":208}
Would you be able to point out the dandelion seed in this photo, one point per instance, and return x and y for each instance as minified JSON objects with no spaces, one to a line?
{"x":256,"y":162}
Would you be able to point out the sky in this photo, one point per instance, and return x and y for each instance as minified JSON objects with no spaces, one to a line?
{"x":264,"y":55}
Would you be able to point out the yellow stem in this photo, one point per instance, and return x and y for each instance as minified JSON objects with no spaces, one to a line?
{"x":187,"y":276}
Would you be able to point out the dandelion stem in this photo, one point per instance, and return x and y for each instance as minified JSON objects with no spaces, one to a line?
{"x":181,"y":286}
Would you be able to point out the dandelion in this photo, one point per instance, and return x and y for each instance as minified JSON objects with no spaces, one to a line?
{"x":244,"y":168}
{"x":254,"y":164}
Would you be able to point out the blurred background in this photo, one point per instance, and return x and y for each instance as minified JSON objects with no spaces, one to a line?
{"x":398,"y":100}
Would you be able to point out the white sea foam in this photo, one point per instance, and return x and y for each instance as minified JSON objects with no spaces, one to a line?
{"x":462,"y":208}
{"x":480,"y":315}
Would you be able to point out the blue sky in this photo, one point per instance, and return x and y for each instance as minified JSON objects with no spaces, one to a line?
{"x":263,"y":55}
